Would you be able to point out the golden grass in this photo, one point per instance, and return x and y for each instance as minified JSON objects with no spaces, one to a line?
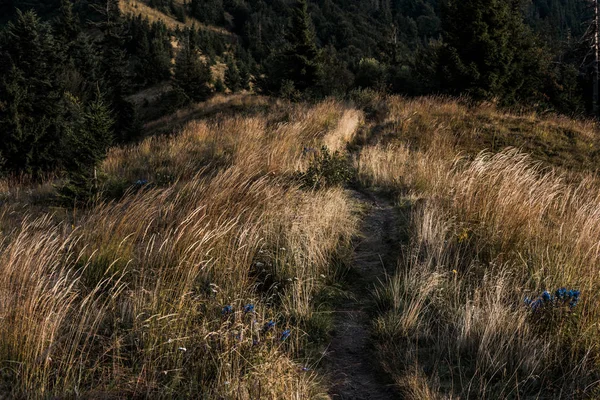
{"x":448,"y":126}
{"x":126,"y":299}
{"x":487,"y":229}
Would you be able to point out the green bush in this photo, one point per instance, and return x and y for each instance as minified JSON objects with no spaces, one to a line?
{"x":326,"y":169}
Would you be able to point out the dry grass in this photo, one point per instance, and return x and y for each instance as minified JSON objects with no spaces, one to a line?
{"x":448,"y":126}
{"x":486,"y":229}
{"x":126,"y":299}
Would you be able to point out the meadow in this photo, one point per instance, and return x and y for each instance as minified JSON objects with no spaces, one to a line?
{"x":490,"y":229}
{"x":209,"y":263}
{"x":197,"y":277}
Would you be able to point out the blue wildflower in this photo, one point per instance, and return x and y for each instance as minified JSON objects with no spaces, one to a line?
{"x":141,"y":182}
{"x":536,"y":304}
{"x":285,"y":334}
{"x":269,"y":325}
{"x":546,"y":296}
{"x":562,"y":297}
{"x":249,"y":308}
{"x":227,"y":310}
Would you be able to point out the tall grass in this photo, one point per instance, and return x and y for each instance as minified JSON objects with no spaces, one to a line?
{"x":144,"y":295}
{"x":487,"y":230}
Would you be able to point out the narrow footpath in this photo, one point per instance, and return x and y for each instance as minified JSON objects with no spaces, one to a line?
{"x":350,"y":359}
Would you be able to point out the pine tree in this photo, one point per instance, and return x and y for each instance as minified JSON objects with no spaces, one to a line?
{"x":66,"y":27}
{"x":300,"y":58}
{"x":114,"y":68}
{"x":31,"y":113}
{"x":207,"y":11}
{"x":233,"y":79}
{"x":488,"y":51}
{"x":192,"y":75}
{"x":86,"y":144}
{"x":245,"y":76}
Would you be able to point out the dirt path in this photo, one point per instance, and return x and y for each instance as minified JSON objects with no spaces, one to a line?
{"x":350,"y":358}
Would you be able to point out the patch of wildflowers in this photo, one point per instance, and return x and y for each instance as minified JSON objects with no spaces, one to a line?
{"x":561,"y":297}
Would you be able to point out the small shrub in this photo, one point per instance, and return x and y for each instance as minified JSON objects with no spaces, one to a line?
{"x":326,"y":169}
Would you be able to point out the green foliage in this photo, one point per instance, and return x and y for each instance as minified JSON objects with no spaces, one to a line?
{"x":488,"y":52}
{"x":220,"y":86}
{"x":300,"y":58}
{"x":52,"y":116}
{"x":86,"y":144}
{"x":335,"y":77}
{"x":298,"y":62}
{"x":150,"y":46}
{"x":297,"y":50}
{"x":208,"y":11}
{"x":371,"y":74}
{"x":32,"y":114}
{"x":233,"y":78}
{"x":326,"y":169}
{"x":192,"y":74}
{"x":386,"y":45}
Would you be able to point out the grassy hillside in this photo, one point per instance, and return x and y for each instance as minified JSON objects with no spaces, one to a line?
{"x":149,"y":294}
{"x":209,"y":265}
{"x":488,"y":226}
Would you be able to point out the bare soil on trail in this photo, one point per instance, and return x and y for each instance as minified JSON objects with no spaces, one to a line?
{"x":351,"y":360}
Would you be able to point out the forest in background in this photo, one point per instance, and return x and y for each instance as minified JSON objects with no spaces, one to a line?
{"x":75,"y":74}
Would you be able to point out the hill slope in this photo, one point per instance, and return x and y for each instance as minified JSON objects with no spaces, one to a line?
{"x":217,"y":259}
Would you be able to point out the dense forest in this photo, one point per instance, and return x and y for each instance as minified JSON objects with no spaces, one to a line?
{"x":68,"y":69}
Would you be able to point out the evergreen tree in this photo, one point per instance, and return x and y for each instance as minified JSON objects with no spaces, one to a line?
{"x":160,"y":60}
{"x":219,"y":86}
{"x":86,"y":143}
{"x":300,"y":58}
{"x":192,"y":75}
{"x":115,"y":71}
{"x":335,"y":78}
{"x":488,"y":51}
{"x":296,"y":68}
{"x":66,"y":27}
{"x":31,"y":116}
{"x":43,"y":128}
{"x":233,"y":79}
{"x":244,"y":75}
